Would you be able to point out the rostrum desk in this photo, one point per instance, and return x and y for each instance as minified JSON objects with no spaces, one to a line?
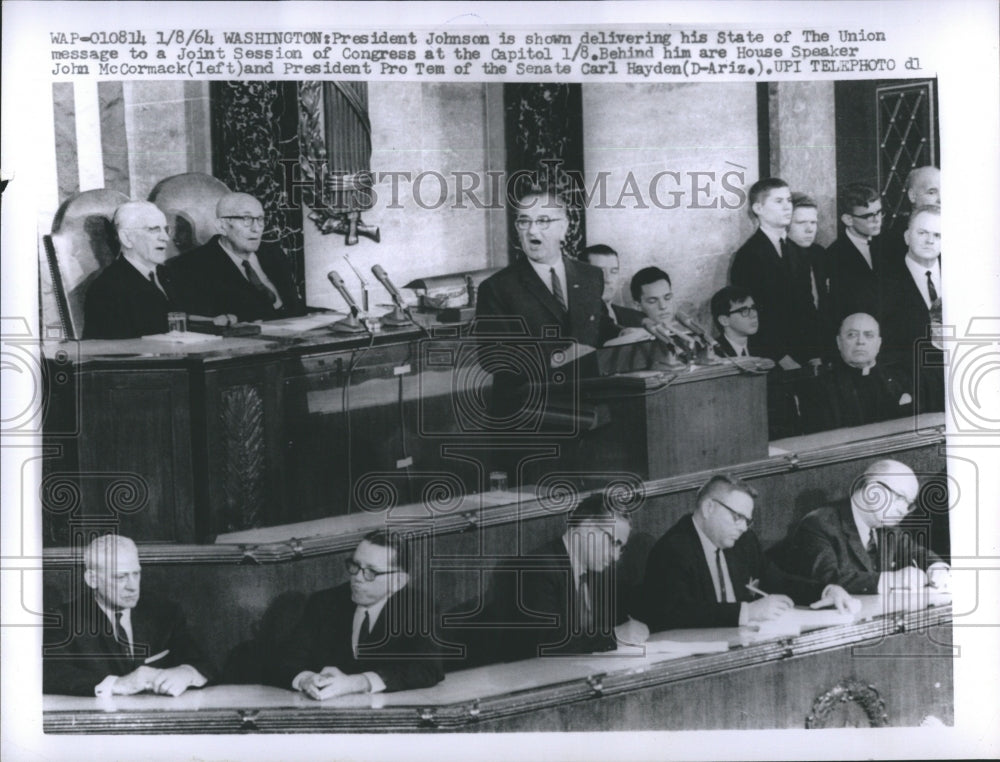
{"x":891,"y":667}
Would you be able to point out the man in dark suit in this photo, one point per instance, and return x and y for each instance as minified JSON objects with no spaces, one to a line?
{"x":702,"y":571}
{"x":857,"y":389}
{"x":855,"y":542}
{"x":734,"y":312}
{"x":562,"y":598}
{"x":364,"y":636}
{"x":232,"y":273}
{"x":539,"y":314}
{"x":802,"y":232}
{"x":607,"y":259}
{"x":108,"y":641}
{"x":775,"y":272}
{"x":856,"y":257}
{"x":132,"y":295}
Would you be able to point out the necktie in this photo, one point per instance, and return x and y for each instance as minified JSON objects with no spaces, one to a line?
{"x":365,"y":631}
{"x":156,"y":283}
{"x":722,"y":576}
{"x":784,"y":250}
{"x":557,"y":289}
{"x":120,"y":637}
{"x":743,"y":353}
{"x":931,"y":291}
{"x":872,"y":549}
{"x":258,"y":284}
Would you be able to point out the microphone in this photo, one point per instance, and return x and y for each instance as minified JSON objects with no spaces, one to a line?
{"x":693,"y":326}
{"x":350,"y":324}
{"x":338,"y":283}
{"x":401,"y":315}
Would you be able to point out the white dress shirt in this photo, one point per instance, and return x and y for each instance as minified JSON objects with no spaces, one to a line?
{"x":919,"y":274}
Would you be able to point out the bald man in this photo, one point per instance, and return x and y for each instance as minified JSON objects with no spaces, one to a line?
{"x":857,"y":388}
{"x":923,"y":188}
{"x":855,"y":543}
{"x":110,"y":641}
{"x":233,"y":273}
{"x":132,"y":295}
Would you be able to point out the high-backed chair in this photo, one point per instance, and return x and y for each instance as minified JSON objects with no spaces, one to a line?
{"x":188,"y":201}
{"x":82,"y":242}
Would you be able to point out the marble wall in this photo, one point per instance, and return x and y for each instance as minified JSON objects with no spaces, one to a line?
{"x":632,"y":135}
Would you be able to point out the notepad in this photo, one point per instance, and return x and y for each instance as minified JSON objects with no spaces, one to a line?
{"x":795,"y":621}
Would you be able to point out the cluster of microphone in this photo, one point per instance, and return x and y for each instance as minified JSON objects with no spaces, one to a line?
{"x":400,"y":314}
{"x":685,"y":336}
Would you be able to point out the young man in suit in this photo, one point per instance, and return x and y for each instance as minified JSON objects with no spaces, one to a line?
{"x":132,"y":295}
{"x":233,"y":273}
{"x":855,"y":543}
{"x":366,"y":635}
{"x":607,"y":259}
{"x":775,"y":272}
{"x":802,"y":232}
{"x":109,"y":641}
{"x":856,"y":256}
{"x":699,"y":574}
{"x":857,"y":389}
{"x":735,"y":313}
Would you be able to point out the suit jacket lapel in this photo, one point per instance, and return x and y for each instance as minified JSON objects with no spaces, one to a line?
{"x":531,"y":281}
{"x":850,"y":531}
{"x":706,"y":588}
{"x":576,"y":294}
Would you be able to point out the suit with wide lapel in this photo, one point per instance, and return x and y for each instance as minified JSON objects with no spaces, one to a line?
{"x":854,"y":286}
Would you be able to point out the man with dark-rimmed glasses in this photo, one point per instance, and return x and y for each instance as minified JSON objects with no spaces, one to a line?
{"x":855,"y":542}
{"x":708,"y":570}
{"x":363,"y":636}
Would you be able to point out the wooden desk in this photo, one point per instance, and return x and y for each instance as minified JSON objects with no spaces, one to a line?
{"x":893,"y":663}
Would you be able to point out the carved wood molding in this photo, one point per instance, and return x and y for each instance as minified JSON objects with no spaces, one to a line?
{"x":244,"y":462}
{"x":833,"y":709}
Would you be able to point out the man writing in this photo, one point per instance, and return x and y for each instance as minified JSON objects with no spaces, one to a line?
{"x":708,"y":570}
{"x":363,"y":635}
{"x":232,"y":273}
{"x":109,"y":641}
{"x":855,"y":543}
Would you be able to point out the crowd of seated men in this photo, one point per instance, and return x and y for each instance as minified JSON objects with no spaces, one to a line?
{"x":381,"y":631}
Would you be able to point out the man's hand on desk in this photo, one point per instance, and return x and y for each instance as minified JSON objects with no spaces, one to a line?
{"x":175,"y":680}
{"x":835,"y":595}
{"x":331,"y":682}
{"x":136,"y":681}
{"x":631,"y":633}
{"x":768,"y":607}
{"x":939,"y":577}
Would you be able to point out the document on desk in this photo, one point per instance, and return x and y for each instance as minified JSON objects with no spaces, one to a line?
{"x":795,"y":621}
{"x":686,"y":648}
{"x":296,"y":325}
{"x":182,"y":337}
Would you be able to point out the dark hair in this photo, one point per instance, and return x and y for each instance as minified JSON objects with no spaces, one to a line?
{"x":801,"y":199}
{"x":724,"y":299}
{"x":644,"y":277}
{"x":600,"y":249}
{"x":854,"y":195}
{"x":395,"y":542}
{"x":596,"y":506}
{"x":730,"y":482}
{"x":760,"y":189}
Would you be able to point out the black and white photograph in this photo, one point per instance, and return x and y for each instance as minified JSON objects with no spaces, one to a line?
{"x":458,"y":379}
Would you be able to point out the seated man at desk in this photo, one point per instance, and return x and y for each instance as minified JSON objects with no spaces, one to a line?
{"x":855,"y":542}
{"x":857,"y":389}
{"x":132,"y":295}
{"x":110,"y":642}
{"x":363,"y":635}
{"x":653,"y":293}
{"x":708,"y":570}
{"x":233,"y":273}
{"x":562,"y":598}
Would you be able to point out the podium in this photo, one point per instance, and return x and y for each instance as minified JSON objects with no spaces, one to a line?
{"x":667,"y":423}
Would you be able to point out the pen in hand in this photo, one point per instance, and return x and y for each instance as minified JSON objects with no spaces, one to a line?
{"x":752,"y":587}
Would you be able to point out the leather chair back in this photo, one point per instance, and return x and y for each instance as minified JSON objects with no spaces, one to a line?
{"x":188,"y":201}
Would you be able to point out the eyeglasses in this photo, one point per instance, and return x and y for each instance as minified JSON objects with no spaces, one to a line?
{"x":747,"y":311}
{"x":736,"y":516}
{"x":246,"y":220}
{"x":524,"y":223}
{"x":370,"y":575}
{"x":869,"y":216}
